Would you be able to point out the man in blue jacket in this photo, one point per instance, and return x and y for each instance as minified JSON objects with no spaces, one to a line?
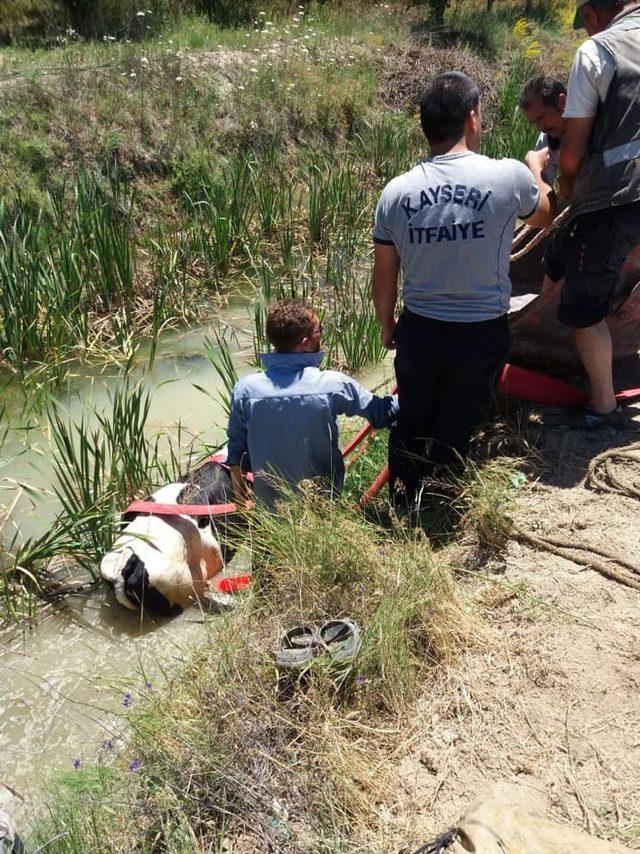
{"x":283,"y":422}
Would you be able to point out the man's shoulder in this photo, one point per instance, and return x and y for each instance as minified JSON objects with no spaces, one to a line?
{"x":502,"y":167}
{"x":250,"y":384}
{"x":401,"y":183}
{"x":589,"y":54}
{"x":330,"y":381}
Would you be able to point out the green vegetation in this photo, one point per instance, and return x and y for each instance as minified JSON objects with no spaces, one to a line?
{"x":99,"y":463}
{"x":118,"y":219}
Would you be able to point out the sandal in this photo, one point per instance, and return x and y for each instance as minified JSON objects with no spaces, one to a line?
{"x":589,"y":419}
{"x":341,"y":639}
{"x":297,"y":647}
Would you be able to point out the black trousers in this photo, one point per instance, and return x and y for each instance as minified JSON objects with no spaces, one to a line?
{"x":446,"y":375}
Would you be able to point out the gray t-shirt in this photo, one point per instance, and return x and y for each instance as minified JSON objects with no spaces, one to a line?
{"x":550,"y":171}
{"x":451,"y":219}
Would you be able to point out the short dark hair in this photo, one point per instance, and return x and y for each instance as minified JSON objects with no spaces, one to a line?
{"x":548,"y":89}
{"x":288,"y":322}
{"x":445,"y":105}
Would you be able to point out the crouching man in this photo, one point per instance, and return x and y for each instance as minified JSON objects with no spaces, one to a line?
{"x":284,"y":421}
{"x":448,"y":223}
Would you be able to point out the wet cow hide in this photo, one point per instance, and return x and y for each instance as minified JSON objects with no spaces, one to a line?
{"x":164,"y":563}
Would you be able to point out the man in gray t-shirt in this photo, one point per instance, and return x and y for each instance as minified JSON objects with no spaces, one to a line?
{"x":451,"y":220}
{"x":448,"y":224}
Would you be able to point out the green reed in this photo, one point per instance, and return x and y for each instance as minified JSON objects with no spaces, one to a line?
{"x":102,"y":231}
{"x":221,"y":358}
{"x":510,"y":134}
{"x":100,"y":461}
{"x":390,"y":145}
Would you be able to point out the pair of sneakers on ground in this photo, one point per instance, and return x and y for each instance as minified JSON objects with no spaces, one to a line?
{"x":339,"y":640}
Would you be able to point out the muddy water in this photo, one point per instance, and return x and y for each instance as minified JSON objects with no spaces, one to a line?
{"x":63,"y":684}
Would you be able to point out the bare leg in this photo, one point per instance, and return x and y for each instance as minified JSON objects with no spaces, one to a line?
{"x":596,"y":352}
{"x":549,"y":285}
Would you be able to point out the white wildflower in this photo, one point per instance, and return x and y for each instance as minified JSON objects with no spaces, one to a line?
{"x":140,"y":14}
{"x":133,"y":74}
{"x":178,"y":79}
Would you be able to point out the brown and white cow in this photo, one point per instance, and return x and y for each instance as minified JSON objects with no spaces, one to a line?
{"x":163,"y":564}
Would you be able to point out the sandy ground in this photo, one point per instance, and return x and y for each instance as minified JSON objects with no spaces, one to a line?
{"x":548,"y":713}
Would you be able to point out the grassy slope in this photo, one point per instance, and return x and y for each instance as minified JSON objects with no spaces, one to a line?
{"x":194,"y":88}
{"x":228,"y":752}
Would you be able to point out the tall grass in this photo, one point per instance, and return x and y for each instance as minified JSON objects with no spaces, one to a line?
{"x":69,"y":283}
{"x":510,"y":134}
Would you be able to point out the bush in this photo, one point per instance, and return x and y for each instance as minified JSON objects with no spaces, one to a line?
{"x":25,"y":20}
{"x":120,"y":18}
{"x":36,"y":154}
{"x":232,"y":13}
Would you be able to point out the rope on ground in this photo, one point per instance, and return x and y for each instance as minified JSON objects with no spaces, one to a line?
{"x":540,"y":236}
{"x":583,"y":555}
{"x":601,"y":474}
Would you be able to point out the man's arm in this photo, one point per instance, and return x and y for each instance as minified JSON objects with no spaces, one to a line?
{"x":573,"y":150}
{"x":237,"y":449}
{"x":386,"y":268}
{"x":545,"y":211}
{"x":353,"y":399}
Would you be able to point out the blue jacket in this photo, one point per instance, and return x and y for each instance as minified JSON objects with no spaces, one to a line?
{"x":285,"y":420}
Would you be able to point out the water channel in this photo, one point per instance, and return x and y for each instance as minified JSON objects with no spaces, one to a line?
{"x":65,"y":683}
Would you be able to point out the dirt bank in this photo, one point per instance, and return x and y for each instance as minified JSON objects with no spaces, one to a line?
{"x":548,"y":713}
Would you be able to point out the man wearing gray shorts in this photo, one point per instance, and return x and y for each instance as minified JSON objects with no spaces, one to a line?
{"x":600,"y":175}
{"x":448,"y":223}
